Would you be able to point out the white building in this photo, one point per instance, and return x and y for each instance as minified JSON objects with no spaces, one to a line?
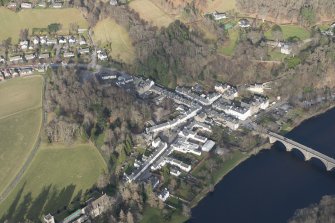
{"x":113,"y":2}
{"x":49,"y":219}
{"x":256,"y":88}
{"x":29,"y":56}
{"x":244,"y":23}
{"x":15,"y":58}
{"x":68,"y":54}
{"x":208,"y":146}
{"x":44,"y":56}
{"x":164,"y":195}
{"x":102,"y":55}
{"x":62,"y":40}
{"x":26,"y":5}
{"x":84,"y":50}
{"x":175,"y":172}
{"x":218,"y":16}
{"x":286,"y":49}
{"x":51,"y":42}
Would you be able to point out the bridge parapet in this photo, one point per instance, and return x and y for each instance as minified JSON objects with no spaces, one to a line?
{"x":306,"y":151}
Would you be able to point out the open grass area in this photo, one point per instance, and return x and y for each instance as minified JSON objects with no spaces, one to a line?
{"x":108,"y":32}
{"x":18,"y":136}
{"x":151,"y":215}
{"x":20,"y":94}
{"x":276,"y":55}
{"x":11,"y":23}
{"x":220,"y":5}
{"x":56,"y":176}
{"x":228,"y":48}
{"x":20,"y":123}
{"x":290,"y":31}
{"x":151,"y":13}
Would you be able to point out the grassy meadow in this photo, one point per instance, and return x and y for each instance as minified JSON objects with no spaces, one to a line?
{"x":57,"y":175}
{"x":151,"y":13}
{"x":20,"y":94}
{"x":154,"y":215}
{"x":228,"y":48}
{"x":11,"y":22}
{"x":108,"y":32}
{"x":290,"y":31}
{"x":20,"y":123}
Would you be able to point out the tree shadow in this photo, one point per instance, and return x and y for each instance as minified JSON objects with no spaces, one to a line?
{"x":49,"y":200}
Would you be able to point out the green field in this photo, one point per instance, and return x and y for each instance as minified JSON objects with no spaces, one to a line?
{"x":290,"y":31}
{"x":56,"y":176}
{"x":151,"y":215}
{"x":20,"y":94}
{"x":11,"y":23}
{"x":121,"y":48}
{"x":228,"y":48}
{"x":20,"y":122}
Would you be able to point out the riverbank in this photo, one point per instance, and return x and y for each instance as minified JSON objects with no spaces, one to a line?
{"x":305,"y":116}
{"x":229,"y":165}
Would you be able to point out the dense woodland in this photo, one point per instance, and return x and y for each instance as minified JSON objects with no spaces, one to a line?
{"x":316,"y":213}
{"x":305,"y":11}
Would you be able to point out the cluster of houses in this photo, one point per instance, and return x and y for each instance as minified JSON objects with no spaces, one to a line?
{"x":57,"y":4}
{"x":188,"y":132}
{"x":93,"y":209}
{"x":7,"y":73}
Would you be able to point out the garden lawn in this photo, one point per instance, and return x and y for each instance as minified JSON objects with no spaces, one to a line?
{"x":290,"y":31}
{"x":151,"y":215}
{"x":228,"y":48}
{"x":11,"y":22}
{"x":56,"y":176}
{"x":108,"y":31}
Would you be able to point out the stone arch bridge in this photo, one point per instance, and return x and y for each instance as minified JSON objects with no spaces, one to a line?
{"x":306,"y":151}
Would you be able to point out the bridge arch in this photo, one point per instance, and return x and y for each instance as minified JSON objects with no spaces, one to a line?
{"x":316,"y":161}
{"x":296,"y":152}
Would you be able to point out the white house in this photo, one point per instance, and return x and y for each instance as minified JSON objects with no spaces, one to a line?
{"x":57,"y":5}
{"x":15,"y":58}
{"x":62,"y":40}
{"x":218,"y":16}
{"x":51,"y":41}
{"x":29,"y":56}
{"x":113,"y":2}
{"x":36,"y":40}
{"x":286,"y":49}
{"x":24,"y":44}
{"x":84,"y":50}
{"x":72,"y":40}
{"x":102,"y":56}
{"x":44,"y":56}
{"x":244,"y":23}
{"x":49,"y":219}
{"x":26,"y":5}
{"x":164,"y":195}
{"x":68,"y":54}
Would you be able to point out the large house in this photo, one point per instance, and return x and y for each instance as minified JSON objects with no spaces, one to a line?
{"x":26,"y":5}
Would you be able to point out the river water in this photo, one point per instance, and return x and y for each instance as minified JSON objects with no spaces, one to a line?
{"x":270,"y":186}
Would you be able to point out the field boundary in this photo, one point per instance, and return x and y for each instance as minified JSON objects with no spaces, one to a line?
{"x":8,"y":189}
